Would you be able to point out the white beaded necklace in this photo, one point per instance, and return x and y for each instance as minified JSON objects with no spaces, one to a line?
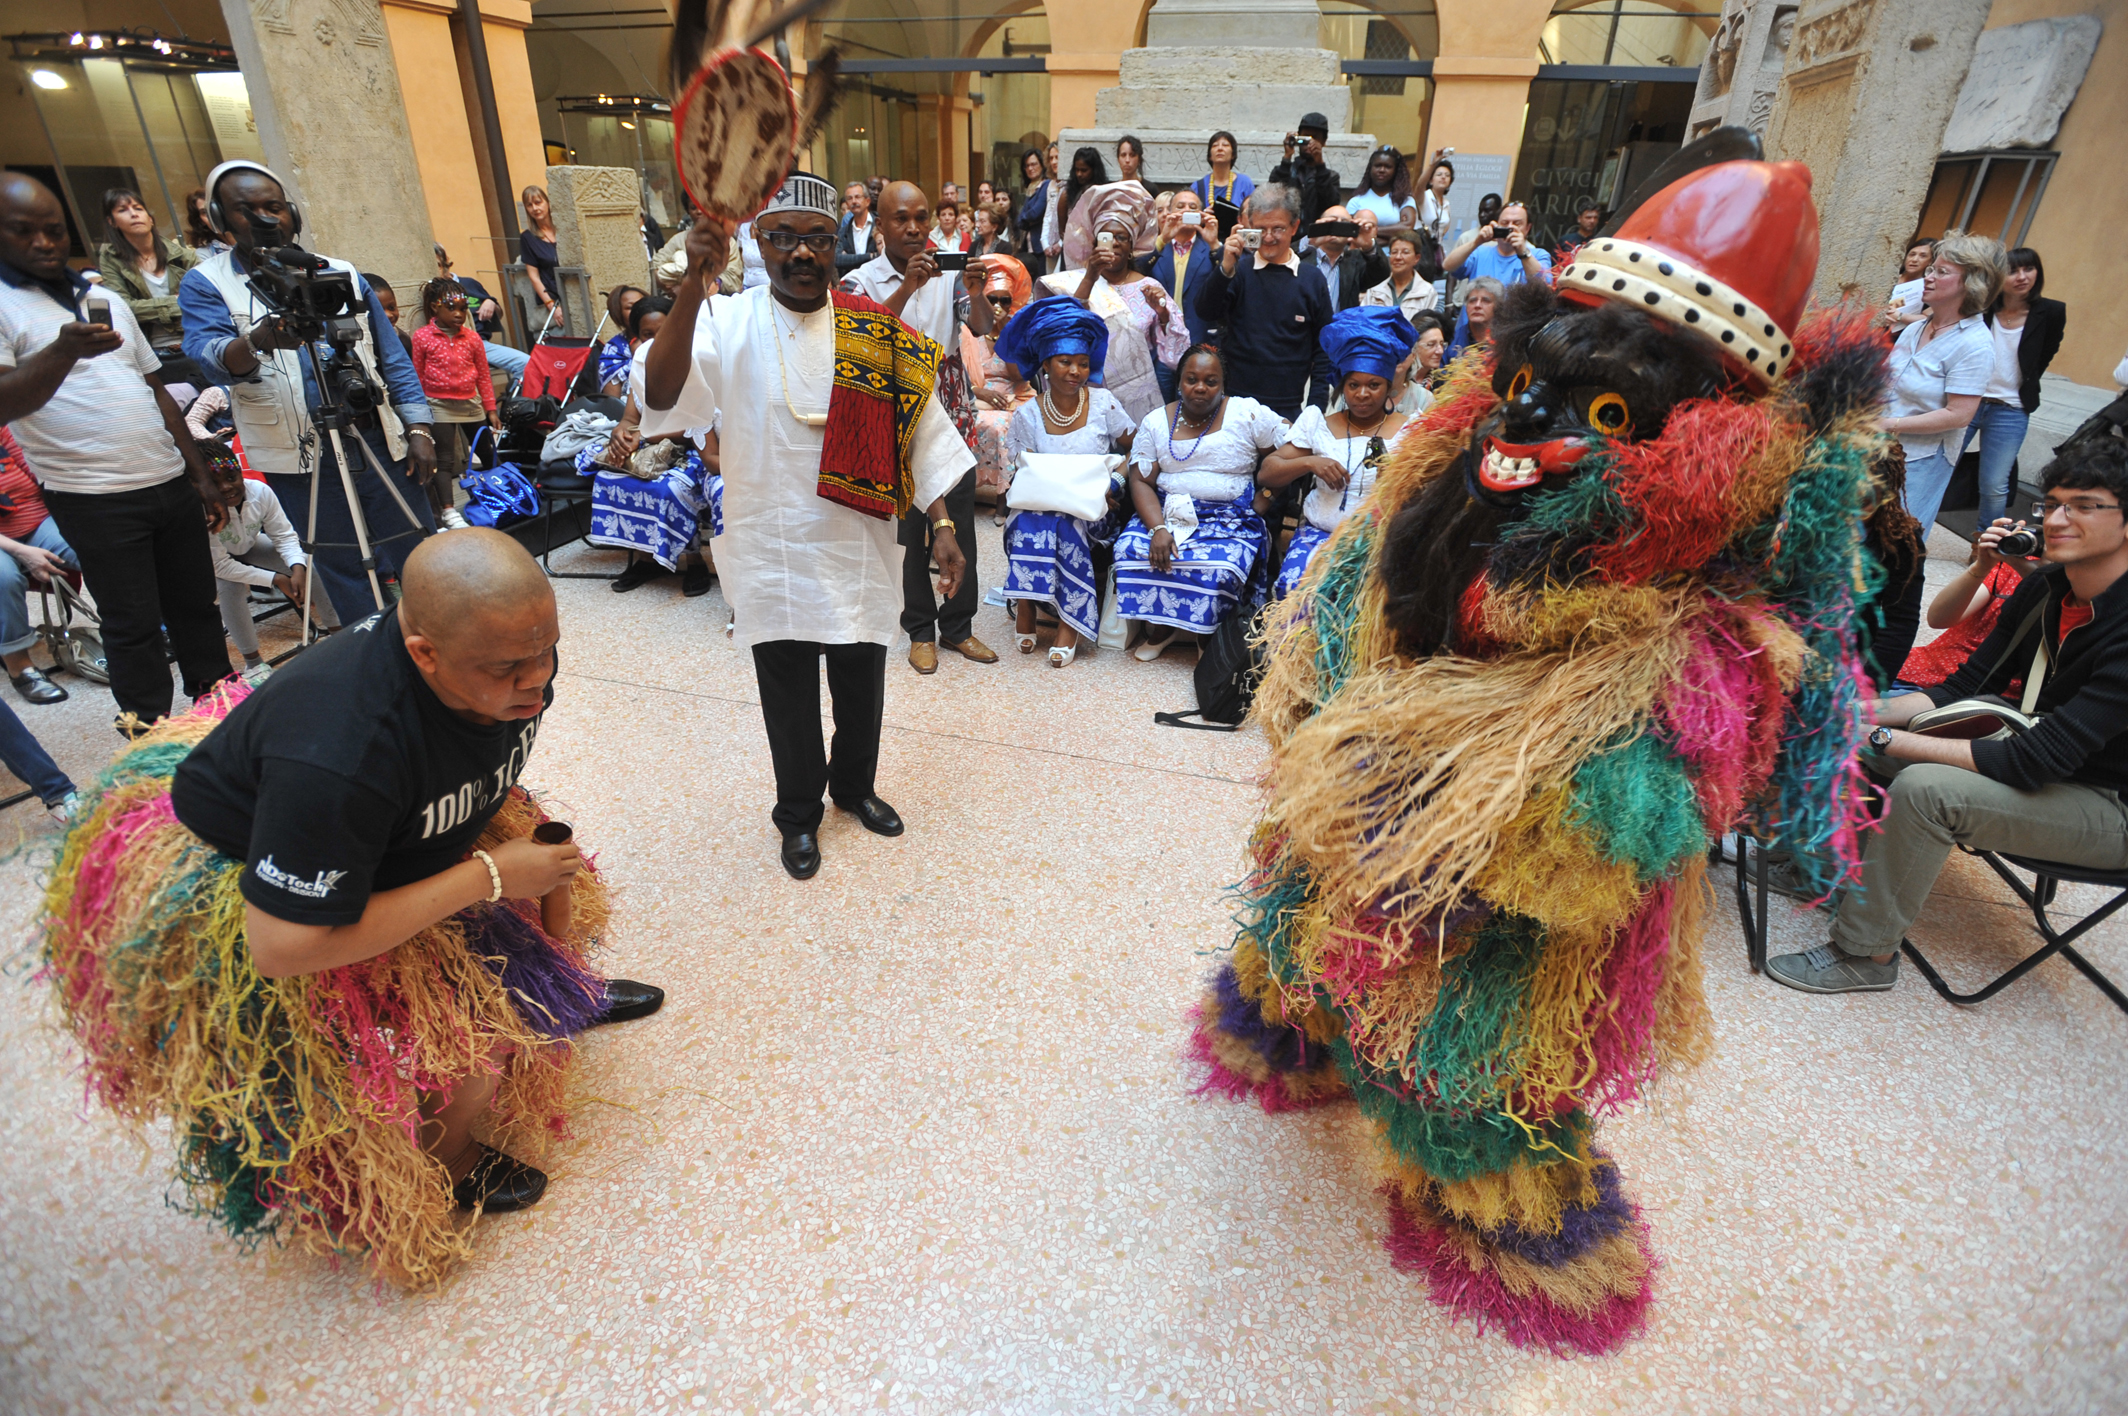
{"x":1064,"y":420}
{"x":783,"y":373}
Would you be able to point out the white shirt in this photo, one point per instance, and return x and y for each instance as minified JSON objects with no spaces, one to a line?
{"x":1326,"y":506}
{"x":101,"y":431}
{"x":1925,"y":378}
{"x":2005,"y":377}
{"x":1218,"y":467}
{"x":793,"y":564}
{"x":1433,"y":213}
{"x":936,"y":308}
{"x":260,"y":514}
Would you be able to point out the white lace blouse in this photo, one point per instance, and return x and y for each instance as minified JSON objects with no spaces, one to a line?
{"x":1327,"y":506}
{"x":1218,"y":467}
{"x":1105,"y":423}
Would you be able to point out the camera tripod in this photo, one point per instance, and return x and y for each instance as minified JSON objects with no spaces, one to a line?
{"x":334,"y":416}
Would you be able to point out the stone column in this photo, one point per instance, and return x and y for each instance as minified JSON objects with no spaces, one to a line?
{"x":597,"y":215}
{"x":1742,"y":71}
{"x":1863,"y":101}
{"x":331,"y":118}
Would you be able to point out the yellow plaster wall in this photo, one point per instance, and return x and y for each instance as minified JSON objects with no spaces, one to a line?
{"x":436,"y":117}
{"x":2076,"y":228}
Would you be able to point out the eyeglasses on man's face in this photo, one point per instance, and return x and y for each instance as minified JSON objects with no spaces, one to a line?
{"x":2082,"y":509}
{"x":820,"y":243}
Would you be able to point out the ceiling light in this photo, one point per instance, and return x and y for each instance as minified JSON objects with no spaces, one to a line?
{"x":628,"y":125}
{"x":46,"y":79}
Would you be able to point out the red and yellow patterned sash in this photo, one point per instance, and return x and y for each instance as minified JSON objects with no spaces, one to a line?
{"x":884,"y":374}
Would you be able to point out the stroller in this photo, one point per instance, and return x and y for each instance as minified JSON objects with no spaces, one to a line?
{"x":560,"y":376}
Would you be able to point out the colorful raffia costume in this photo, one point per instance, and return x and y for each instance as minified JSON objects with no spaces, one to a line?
{"x":1597,"y":611}
{"x":295,"y":1101}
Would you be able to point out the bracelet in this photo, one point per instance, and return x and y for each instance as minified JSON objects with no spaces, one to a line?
{"x":494,"y":875}
{"x":420,"y":430}
{"x":944,"y":523}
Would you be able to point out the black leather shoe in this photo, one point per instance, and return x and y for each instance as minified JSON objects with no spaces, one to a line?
{"x":497,"y":1183}
{"x":878,"y":818}
{"x":694,"y":580}
{"x":640,"y":572}
{"x":801,"y":855}
{"x":627,"y":1000}
{"x":36,"y":688}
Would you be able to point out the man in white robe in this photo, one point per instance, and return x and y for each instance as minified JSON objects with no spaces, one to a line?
{"x":807,"y":577}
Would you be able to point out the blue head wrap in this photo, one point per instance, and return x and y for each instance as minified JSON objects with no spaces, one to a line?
{"x":1368,"y":339}
{"x":1052,"y":326}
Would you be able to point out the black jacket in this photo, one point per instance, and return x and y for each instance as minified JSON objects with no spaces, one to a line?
{"x":1317,"y":187}
{"x":847,"y":256}
{"x":2083,"y":736}
{"x":1357,"y":271}
{"x":2044,"y":324}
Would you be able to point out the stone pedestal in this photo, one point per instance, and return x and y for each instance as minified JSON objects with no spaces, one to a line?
{"x":325,"y":94}
{"x":1864,"y":99}
{"x":597,"y":214}
{"x":1252,"y":67}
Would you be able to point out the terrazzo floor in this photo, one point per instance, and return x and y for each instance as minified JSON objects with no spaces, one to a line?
{"x":916,"y":1136}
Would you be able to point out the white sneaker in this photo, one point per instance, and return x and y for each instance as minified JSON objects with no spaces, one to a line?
{"x":452,"y":521}
{"x":62,"y":811}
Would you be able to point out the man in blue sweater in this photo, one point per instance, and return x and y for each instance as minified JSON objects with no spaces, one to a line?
{"x":2053,"y":793}
{"x":1271,"y":305}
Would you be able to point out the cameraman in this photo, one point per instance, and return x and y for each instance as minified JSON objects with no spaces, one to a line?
{"x":232,"y":334}
{"x":123,"y":479}
{"x":1317,"y":188}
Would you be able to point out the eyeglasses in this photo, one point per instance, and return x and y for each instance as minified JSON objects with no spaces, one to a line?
{"x":2078,"y":509}
{"x":820,"y":243}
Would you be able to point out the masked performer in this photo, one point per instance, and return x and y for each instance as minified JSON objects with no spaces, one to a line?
{"x":307,"y":926}
{"x":1596,"y":611}
{"x":830,"y":432}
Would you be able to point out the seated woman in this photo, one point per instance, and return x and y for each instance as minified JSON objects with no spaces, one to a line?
{"x":1194,"y":552}
{"x":31,"y":552}
{"x":1480,"y":302}
{"x":1344,"y":451}
{"x":999,"y":389}
{"x":1145,"y":328}
{"x":1420,"y":373}
{"x":614,"y":353}
{"x":1966,"y":609}
{"x":1049,"y":554}
{"x":656,"y":505}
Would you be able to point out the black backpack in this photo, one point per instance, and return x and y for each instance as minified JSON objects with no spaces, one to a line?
{"x":1227,"y":671}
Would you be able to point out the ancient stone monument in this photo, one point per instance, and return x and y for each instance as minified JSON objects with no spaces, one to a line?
{"x":597,"y":228}
{"x":2022,"y":80}
{"x":1742,"y":70}
{"x":1864,"y":98}
{"x":308,"y":65}
{"x":1252,"y":67}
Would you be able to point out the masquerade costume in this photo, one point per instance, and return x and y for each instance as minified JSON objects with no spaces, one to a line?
{"x":1596,"y":612}
{"x":1049,"y":555}
{"x":1367,"y":339}
{"x":295,"y":1101}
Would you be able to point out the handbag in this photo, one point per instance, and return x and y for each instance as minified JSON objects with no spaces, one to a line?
{"x":1227,"y":671}
{"x":1987,"y":717}
{"x":1070,"y":483}
{"x":500,"y":491}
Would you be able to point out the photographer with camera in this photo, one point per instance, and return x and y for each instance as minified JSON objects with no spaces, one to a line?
{"x":2053,"y":791}
{"x":1343,"y":250}
{"x":122,"y":477}
{"x":234,"y":331}
{"x":1317,"y":188}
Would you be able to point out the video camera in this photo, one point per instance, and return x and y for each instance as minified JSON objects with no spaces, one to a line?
{"x":320,"y":305}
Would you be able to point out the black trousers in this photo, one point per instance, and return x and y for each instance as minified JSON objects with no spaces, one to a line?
{"x":923,"y":619}
{"x":336,"y":557}
{"x":145,"y":557}
{"x":789,"y":674}
{"x":1277,"y":387}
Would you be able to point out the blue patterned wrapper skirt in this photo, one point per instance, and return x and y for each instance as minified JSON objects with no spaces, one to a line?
{"x":661,"y":517}
{"x":1306,"y":542}
{"x":1049,"y":558}
{"x":1213,"y":573}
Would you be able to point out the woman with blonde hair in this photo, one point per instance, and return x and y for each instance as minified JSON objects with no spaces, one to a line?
{"x":537,"y":250}
{"x":1940,"y":366}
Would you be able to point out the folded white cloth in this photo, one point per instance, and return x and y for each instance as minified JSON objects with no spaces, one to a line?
{"x":1180,"y":510}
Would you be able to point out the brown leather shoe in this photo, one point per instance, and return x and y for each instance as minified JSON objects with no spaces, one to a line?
{"x":975,"y":649}
{"x":923,"y":656}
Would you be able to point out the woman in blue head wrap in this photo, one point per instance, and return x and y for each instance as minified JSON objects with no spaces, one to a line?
{"x":1059,"y":345}
{"x":1343,"y":451}
{"x":1194,"y":554}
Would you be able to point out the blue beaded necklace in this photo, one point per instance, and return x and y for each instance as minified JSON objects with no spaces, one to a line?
{"x":1204,"y":431}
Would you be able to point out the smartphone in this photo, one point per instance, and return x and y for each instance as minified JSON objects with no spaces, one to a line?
{"x":1105,"y":240}
{"x":1251,"y":237}
{"x":951,"y":260}
{"x":97,"y":310}
{"x":1346,"y":229}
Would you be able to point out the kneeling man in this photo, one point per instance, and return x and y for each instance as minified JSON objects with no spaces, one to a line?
{"x":321,"y":936}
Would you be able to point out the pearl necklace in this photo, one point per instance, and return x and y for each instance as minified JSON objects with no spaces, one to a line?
{"x":810,"y":420}
{"x":1061,"y":419}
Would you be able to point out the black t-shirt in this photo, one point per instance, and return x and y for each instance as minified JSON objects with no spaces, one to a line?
{"x":345,"y":774}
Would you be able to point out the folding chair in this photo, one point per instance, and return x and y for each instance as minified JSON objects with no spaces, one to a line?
{"x":2046,"y":876}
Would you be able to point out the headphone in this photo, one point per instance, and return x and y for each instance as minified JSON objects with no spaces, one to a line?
{"x":215,"y":219}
